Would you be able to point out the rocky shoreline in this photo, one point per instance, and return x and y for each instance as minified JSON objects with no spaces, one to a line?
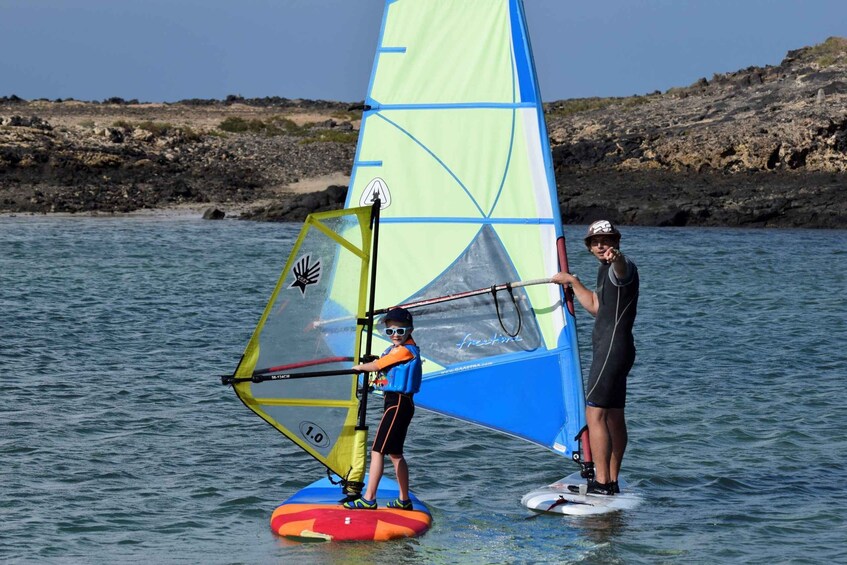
{"x":764,"y":147}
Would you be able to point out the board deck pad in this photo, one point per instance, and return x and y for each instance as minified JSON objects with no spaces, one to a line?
{"x":556,"y":498}
{"x":315,"y":514}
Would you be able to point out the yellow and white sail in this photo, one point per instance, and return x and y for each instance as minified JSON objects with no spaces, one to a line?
{"x":313,"y":323}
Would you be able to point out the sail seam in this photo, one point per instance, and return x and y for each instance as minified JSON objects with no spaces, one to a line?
{"x":377,"y":107}
{"x":486,"y":221}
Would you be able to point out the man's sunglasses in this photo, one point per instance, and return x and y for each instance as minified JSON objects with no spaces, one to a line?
{"x":398,"y":331}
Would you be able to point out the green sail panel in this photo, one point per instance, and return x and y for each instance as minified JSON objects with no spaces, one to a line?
{"x":311,"y":322}
{"x":454,"y":144}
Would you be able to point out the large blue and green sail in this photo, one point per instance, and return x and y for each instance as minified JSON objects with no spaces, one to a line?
{"x":454,"y":144}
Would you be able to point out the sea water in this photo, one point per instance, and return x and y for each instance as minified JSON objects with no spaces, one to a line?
{"x":120,"y":445}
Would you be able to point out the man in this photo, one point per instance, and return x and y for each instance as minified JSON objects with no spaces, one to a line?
{"x":613,"y":304}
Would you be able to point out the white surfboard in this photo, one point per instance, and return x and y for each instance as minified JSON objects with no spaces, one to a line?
{"x":556,"y":498}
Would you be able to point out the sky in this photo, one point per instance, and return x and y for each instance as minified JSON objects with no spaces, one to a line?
{"x":170,"y":50}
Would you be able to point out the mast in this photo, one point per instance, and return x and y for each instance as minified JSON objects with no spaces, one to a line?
{"x":353,"y":488}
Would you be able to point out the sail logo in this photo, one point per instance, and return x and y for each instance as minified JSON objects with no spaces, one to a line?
{"x":377,"y":188}
{"x":497,"y":339}
{"x":305,"y":273}
{"x":313,"y":432}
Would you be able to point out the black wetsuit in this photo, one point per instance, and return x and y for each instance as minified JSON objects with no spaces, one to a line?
{"x":399,"y":382}
{"x":396,"y":417}
{"x":613,"y":344}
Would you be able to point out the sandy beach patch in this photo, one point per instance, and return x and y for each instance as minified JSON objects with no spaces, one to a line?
{"x":316,"y":184}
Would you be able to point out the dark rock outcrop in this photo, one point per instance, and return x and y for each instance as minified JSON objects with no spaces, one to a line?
{"x":214,"y":214}
{"x":296,"y":208}
{"x":763,"y":146}
{"x":758,"y":147}
{"x":83,"y":157}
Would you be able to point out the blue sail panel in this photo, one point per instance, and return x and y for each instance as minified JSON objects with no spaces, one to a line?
{"x":501,"y":396}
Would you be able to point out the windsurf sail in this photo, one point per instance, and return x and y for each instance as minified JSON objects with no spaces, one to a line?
{"x":296,"y":370}
{"x":454,"y":144}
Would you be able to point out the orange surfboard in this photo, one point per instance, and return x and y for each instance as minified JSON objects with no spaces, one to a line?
{"x":315,"y":513}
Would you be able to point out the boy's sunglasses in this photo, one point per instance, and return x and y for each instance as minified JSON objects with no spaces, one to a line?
{"x":398,"y":331}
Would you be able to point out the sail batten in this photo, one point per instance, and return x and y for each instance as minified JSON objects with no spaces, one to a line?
{"x":304,"y":402}
{"x":481,"y":220}
{"x":480,"y":105}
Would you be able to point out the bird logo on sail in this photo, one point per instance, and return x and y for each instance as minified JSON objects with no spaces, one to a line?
{"x":305,"y":273}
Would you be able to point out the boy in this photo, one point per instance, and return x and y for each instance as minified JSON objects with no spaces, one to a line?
{"x":399,"y":378}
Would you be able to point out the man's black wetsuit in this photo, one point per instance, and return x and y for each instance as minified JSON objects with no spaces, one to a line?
{"x":613,"y":344}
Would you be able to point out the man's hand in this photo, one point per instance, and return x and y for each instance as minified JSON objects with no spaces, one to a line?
{"x":611,"y":255}
{"x":564,"y":278}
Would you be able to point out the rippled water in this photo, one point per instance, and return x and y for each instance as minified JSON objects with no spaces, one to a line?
{"x":119,"y":444}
